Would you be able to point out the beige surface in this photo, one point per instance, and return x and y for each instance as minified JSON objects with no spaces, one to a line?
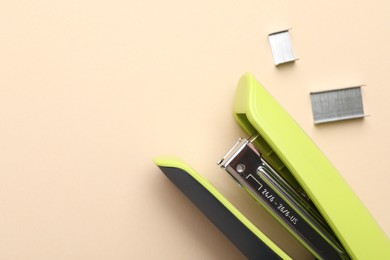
{"x":91,"y":91}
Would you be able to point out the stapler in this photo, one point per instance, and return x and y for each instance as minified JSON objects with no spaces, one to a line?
{"x":287,"y":174}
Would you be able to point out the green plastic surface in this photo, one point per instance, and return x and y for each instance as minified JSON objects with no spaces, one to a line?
{"x":177,"y":163}
{"x":288,"y":148}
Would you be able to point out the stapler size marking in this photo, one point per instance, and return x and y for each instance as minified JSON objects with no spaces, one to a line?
{"x":291,"y":207}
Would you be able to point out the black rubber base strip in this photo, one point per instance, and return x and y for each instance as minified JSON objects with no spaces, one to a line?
{"x":241,"y":236}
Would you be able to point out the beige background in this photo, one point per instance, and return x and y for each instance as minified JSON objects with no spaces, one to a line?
{"x":92,"y":91}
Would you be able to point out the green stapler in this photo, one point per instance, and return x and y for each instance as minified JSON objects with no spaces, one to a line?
{"x":287,"y":174}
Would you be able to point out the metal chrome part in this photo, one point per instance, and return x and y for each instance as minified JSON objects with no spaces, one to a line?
{"x":295,"y":211}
